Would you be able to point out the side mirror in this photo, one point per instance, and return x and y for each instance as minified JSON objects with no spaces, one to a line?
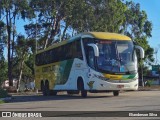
{"x":141,"y":51}
{"x":95,"y":48}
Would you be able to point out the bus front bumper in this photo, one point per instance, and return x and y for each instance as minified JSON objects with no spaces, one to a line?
{"x":104,"y":85}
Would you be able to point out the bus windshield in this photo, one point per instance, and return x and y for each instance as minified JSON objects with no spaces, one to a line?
{"x":116,"y":56}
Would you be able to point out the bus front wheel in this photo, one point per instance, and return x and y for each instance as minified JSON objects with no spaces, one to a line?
{"x":81,"y":88}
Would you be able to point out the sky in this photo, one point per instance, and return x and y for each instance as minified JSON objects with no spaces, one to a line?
{"x":152,"y":9}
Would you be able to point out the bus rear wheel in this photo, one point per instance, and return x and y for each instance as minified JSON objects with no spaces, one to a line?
{"x":116,"y":93}
{"x":45,"y":90}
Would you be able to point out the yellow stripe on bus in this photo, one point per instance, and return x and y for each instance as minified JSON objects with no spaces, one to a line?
{"x":113,"y":77}
{"x":109,"y":36}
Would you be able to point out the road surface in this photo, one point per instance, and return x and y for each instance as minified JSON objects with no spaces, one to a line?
{"x":126,"y":101}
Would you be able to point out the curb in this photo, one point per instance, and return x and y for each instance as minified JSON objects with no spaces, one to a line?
{"x":6,"y":99}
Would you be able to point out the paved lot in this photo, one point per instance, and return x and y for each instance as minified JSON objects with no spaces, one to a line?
{"x":127,"y":101}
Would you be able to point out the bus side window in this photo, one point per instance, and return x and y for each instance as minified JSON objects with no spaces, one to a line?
{"x":78,"y":50}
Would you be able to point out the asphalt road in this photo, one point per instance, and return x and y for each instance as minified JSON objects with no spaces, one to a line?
{"x":126,"y":101}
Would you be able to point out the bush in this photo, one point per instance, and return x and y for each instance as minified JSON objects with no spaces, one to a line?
{"x":148,"y":83}
{"x":3,"y":93}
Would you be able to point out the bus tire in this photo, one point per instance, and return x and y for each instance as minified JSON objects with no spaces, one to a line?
{"x":43,"y":90}
{"x":116,"y":93}
{"x":42,"y":85}
{"x":47,"y":91}
{"x":81,"y":88}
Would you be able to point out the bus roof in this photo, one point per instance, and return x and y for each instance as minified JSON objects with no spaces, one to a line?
{"x":98,"y":35}
{"x":108,"y":36}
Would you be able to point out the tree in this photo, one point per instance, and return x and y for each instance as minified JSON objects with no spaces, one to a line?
{"x":3,"y":72}
{"x":50,"y":14}
{"x":9,"y":11}
{"x":56,"y":20}
{"x":23,"y":68}
{"x":56,"y":16}
{"x":138,"y":28}
{"x":3,"y":63}
{"x":109,"y":15}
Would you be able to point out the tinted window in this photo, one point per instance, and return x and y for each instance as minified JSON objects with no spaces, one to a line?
{"x":69,"y":51}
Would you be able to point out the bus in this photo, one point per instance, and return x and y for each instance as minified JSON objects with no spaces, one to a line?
{"x":89,"y":62}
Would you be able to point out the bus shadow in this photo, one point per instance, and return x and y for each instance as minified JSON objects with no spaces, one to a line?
{"x":36,"y":98}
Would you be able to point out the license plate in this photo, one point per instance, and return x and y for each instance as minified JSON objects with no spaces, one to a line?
{"x":120,"y":86}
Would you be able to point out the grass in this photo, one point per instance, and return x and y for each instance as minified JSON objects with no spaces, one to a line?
{"x":1,"y":102}
{"x":3,"y":94}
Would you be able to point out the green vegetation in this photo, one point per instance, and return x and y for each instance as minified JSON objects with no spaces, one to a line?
{"x":54,"y":20}
{"x":3,"y":93}
{"x":1,"y":102}
{"x":3,"y":69}
{"x":149,"y":83}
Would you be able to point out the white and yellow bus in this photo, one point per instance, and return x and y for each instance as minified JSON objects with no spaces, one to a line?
{"x":88,"y":62}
